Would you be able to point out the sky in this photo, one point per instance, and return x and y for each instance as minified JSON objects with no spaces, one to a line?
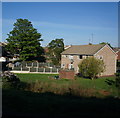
{"x":75,"y":22}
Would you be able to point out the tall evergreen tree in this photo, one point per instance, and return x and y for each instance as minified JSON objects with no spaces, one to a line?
{"x":25,"y":41}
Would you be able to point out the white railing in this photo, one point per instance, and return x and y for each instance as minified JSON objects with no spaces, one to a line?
{"x":35,"y":67}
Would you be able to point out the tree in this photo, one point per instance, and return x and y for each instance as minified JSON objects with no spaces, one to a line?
{"x":107,"y":43}
{"x":55,"y":48}
{"x":91,"y":67}
{"x":25,"y":41}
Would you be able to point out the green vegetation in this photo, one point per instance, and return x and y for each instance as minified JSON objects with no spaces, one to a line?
{"x":48,"y":105}
{"x":25,"y":41}
{"x":43,"y":96}
{"x":96,"y":86}
{"x":10,"y":80}
{"x":91,"y":67}
{"x":55,"y":48}
{"x":106,"y":43}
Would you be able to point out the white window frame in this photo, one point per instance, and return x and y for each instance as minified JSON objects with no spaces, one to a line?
{"x":70,"y":56}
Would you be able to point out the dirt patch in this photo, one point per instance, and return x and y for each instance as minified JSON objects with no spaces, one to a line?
{"x":105,"y":93}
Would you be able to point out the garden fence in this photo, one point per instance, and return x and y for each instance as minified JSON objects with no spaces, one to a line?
{"x":36,"y":67}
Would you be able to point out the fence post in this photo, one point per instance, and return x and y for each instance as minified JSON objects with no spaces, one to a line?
{"x":29,"y":69}
{"x":37,"y":66}
{"x":36,"y":69}
{"x":57,"y":70}
{"x":50,"y":70}
{"x":13,"y":66}
{"x":21,"y":67}
{"x":44,"y":70}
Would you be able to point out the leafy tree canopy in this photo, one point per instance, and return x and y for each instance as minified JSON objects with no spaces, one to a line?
{"x":91,"y":67}
{"x":106,"y":43}
{"x":55,"y":47}
{"x":25,"y":40}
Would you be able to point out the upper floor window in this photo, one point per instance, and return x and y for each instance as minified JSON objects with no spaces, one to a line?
{"x":101,"y":57}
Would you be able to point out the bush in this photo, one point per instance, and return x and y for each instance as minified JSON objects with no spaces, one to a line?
{"x":9,"y":80}
{"x":91,"y":67}
{"x":117,"y":80}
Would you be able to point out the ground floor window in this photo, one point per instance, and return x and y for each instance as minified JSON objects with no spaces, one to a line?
{"x":80,"y":56}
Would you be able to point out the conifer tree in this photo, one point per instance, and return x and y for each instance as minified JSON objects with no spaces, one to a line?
{"x":25,"y":41}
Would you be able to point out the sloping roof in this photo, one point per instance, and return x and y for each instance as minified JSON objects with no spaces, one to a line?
{"x":83,"y":49}
{"x":116,"y":49}
{"x":118,"y":57}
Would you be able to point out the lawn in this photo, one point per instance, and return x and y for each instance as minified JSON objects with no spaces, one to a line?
{"x":97,"y":84}
{"x":47,"y":104}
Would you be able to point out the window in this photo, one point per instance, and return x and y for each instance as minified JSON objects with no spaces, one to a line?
{"x":64,"y":56}
{"x":101,"y":57}
{"x":80,"y":56}
{"x":70,"y":56}
{"x":63,"y":65}
{"x":71,"y":67}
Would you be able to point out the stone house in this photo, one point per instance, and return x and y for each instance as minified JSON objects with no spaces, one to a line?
{"x":71,"y":57}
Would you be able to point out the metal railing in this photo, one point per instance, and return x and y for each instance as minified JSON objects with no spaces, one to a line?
{"x":36,"y":67}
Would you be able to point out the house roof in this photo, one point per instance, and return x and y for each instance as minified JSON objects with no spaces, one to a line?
{"x":118,"y":55}
{"x":83,"y":49}
{"x":116,"y":49}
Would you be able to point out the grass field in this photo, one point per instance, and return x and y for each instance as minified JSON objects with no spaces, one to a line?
{"x":47,"y":104}
{"x":97,"y":84}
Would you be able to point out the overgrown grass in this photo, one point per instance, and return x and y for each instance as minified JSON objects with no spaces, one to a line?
{"x":46,"y":83}
{"x":43,"y":96}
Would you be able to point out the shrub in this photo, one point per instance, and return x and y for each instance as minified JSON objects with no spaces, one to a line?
{"x":9,"y":80}
{"x":117,"y":80}
{"x":91,"y":67}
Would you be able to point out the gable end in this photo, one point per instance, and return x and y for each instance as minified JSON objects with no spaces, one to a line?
{"x":104,"y":47}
